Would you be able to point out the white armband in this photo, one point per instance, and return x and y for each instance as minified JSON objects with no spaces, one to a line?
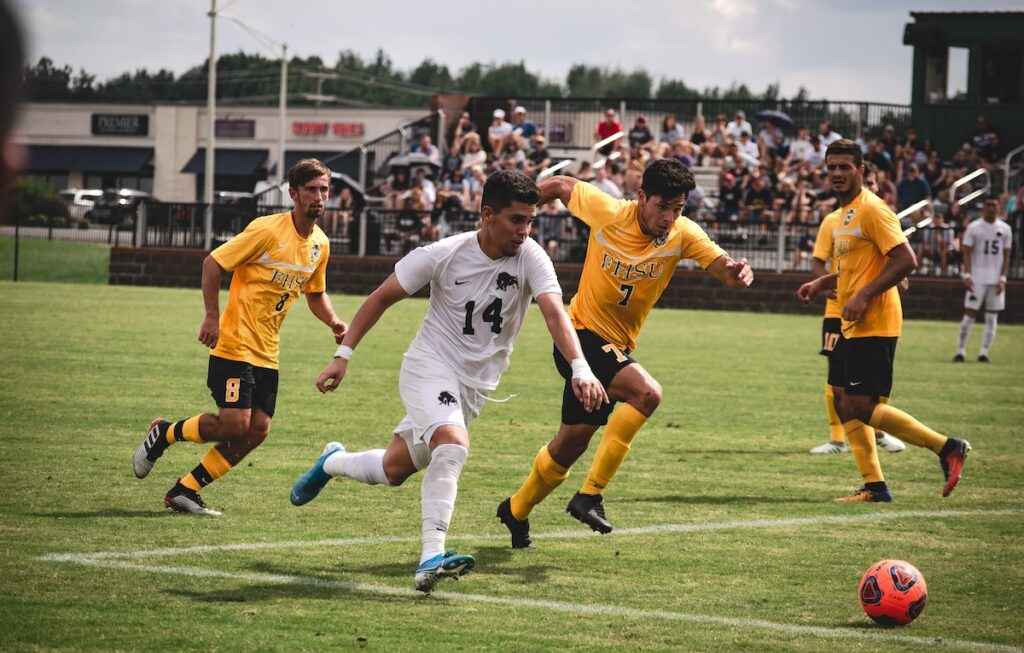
{"x":581,"y":369}
{"x":343,"y":351}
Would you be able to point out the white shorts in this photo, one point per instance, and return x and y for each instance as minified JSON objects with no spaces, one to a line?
{"x":433,"y":397}
{"x":986,"y":298}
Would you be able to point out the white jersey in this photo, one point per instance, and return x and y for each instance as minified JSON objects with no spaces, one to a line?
{"x":477,"y":304}
{"x":988,"y":241}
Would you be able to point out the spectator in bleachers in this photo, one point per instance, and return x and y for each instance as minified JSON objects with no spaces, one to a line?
{"x":522,"y":129}
{"x":826,"y":134}
{"x":730,"y":195}
{"x":757,"y":200}
{"x":548,"y":227}
{"x":739,"y":125}
{"x":747,"y":146}
{"x":471,"y":152}
{"x":878,"y":156}
{"x":603,"y":181}
{"x":932,"y":169}
{"x":475,"y":186}
{"x":699,"y":136}
{"x":800,"y":149}
{"x":607,"y":127}
{"x":538,"y":158}
{"x":586,"y":172}
{"x":913,"y":188}
{"x":455,"y":189}
{"x":462,"y":127}
{"x":889,"y":141}
{"x":426,"y":185}
{"x":672,"y":131}
{"x":985,"y":140}
{"x":427,"y":148}
{"x":640,"y":135}
{"x":631,"y":180}
{"x":498,"y":132}
{"x":886,"y":187}
{"x":684,"y":152}
{"x":816,"y":157}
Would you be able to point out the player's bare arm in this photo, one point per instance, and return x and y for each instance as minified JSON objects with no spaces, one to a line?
{"x":899,"y":263}
{"x":732,"y":273}
{"x":585,"y":386}
{"x":813,"y":288}
{"x":380,"y":300}
{"x":320,"y":306}
{"x":209,"y":329}
{"x":558,"y":187}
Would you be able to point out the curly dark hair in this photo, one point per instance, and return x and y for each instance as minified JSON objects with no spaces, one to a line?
{"x":668,"y":179}
{"x":507,"y":186}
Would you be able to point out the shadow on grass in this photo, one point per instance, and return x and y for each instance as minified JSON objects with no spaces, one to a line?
{"x":719,"y":500}
{"x":115,"y":513}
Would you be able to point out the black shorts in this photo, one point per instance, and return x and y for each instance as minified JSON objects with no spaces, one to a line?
{"x":831,"y":329}
{"x":605,"y":361}
{"x":863,"y":366}
{"x":237,"y":384}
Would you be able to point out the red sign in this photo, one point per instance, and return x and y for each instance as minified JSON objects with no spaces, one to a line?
{"x":338,"y":129}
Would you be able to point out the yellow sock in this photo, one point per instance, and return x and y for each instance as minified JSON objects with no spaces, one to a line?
{"x":835,"y":427}
{"x":185,"y":429}
{"x":213,"y":466}
{"x":544,"y":477}
{"x":905,"y":427}
{"x":862,"y":445}
{"x":622,"y":427}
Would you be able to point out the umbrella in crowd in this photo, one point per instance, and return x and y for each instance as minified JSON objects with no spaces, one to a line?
{"x":413,"y":159}
{"x":777,"y":118}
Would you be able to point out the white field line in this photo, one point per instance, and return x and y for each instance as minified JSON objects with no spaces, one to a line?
{"x":118,"y":560}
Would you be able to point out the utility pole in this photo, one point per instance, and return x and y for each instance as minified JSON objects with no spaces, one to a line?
{"x":282,"y":107}
{"x":211,"y":112}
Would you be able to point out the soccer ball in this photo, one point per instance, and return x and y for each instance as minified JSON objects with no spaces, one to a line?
{"x":893,"y":592}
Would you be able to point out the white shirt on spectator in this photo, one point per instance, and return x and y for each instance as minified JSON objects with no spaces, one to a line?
{"x":750,"y":148}
{"x":829,"y":138}
{"x":735,"y":130}
{"x":429,"y":192}
{"x":501,"y":130}
{"x":470,"y":159}
{"x":800,"y":149}
{"x":816,"y":157}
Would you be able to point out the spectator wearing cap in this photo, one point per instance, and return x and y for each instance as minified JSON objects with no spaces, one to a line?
{"x":672,"y":131}
{"x":826,"y":134}
{"x":640,"y":135}
{"x":538,"y":158}
{"x":521,"y":127}
{"x":428,"y":149}
{"x":739,"y":125}
{"x":607,"y":127}
{"x":498,"y":131}
{"x":912,"y":189}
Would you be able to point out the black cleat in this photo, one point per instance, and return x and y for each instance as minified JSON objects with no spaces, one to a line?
{"x":181,"y":499}
{"x":520,"y":530}
{"x":151,"y":448}
{"x":589,"y":509}
{"x":959,"y":358}
{"x":983,"y":358}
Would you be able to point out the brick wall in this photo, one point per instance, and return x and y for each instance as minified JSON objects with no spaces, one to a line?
{"x":939,"y":299}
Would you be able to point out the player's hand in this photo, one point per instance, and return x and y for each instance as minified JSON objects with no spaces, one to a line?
{"x":340,"y":328}
{"x":740,"y":273}
{"x":331,"y":377}
{"x":904,"y":285}
{"x":1000,"y":287}
{"x":808,"y":291}
{"x":209,"y":331}
{"x":589,"y":392}
{"x":969,"y":284}
{"x":854,"y":309}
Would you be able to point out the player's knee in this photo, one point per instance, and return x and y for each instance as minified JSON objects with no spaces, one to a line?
{"x":257,"y":433}
{"x":233,"y":427}
{"x":396,"y":475}
{"x":649,"y":397}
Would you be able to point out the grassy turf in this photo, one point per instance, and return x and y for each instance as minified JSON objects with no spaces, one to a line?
{"x":55,"y":260}
{"x":88,"y":367}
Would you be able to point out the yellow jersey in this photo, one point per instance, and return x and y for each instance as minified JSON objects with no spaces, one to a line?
{"x":867,"y":230}
{"x":823,"y":252}
{"x":625,"y":271}
{"x":271,"y":264}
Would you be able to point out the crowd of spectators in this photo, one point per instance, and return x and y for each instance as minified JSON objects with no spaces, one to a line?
{"x":769,"y":173}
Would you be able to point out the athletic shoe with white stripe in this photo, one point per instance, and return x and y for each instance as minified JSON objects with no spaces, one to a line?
{"x":888,"y":442}
{"x":444,"y":565}
{"x":181,"y":499}
{"x":830,"y":447}
{"x":151,"y":448}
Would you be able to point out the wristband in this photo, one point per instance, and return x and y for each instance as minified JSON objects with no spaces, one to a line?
{"x":1002,"y":279}
{"x":581,"y":369}
{"x":343,"y":351}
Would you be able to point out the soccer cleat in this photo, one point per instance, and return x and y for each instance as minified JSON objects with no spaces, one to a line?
{"x":182,"y":499}
{"x":888,"y":442}
{"x":309,"y":484}
{"x":151,"y":448}
{"x":959,"y":358}
{"x":444,"y":565}
{"x":983,"y":358}
{"x":520,"y":530}
{"x":865,"y":495}
{"x":830,"y":447}
{"x":589,"y":509}
{"x":952,"y":459}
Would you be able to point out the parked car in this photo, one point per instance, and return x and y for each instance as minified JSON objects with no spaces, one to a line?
{"x":79,"y":201}
{"x":116,"y":205}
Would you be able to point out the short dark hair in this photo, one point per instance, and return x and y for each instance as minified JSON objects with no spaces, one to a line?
{"x":667,"y":178}
{"x":507,"y":186}
{"x":305,"y":170}
{"x":846,"y":146}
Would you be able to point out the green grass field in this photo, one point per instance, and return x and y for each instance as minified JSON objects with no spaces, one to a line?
{"x":752,"y":555}
{"x":55,"y":260}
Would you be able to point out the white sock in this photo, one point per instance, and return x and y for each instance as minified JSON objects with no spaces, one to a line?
{"x":990,"y":332}
{"x":965,"y":333}
{"x":364,"y":466}
{"x":437,"y":496}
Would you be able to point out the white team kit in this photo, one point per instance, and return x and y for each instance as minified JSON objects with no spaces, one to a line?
{"x":988,"y":241}
{"x":476,"y":309}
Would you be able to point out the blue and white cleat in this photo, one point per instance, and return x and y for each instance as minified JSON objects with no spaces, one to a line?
{"x":443,"y":565}
{"x":309,"y":484}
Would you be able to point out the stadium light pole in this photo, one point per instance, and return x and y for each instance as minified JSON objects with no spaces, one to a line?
{"x":211,"y":108}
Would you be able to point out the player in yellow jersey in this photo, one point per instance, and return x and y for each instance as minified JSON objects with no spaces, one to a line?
{"x":274,"y":259}
{"x":870,"y":256}
{"x":632,"y":253}
{"x":830,"y":330}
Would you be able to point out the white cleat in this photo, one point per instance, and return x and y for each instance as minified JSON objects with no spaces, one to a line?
{"x":831,"y":447}
{"x":888,"y":442}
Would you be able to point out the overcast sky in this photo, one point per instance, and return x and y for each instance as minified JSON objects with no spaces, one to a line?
{"x":838,"y":49}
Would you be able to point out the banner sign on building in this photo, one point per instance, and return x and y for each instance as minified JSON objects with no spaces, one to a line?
{"x":337,"y":129}
{"x":234,"y":128}
{"x":120,"y":124}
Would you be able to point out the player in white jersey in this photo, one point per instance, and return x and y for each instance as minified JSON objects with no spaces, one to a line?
{"x":481,"y":284}
{"x":986,"y":250}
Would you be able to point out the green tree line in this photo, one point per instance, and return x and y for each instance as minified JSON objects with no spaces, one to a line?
{"x":355,"y":80}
